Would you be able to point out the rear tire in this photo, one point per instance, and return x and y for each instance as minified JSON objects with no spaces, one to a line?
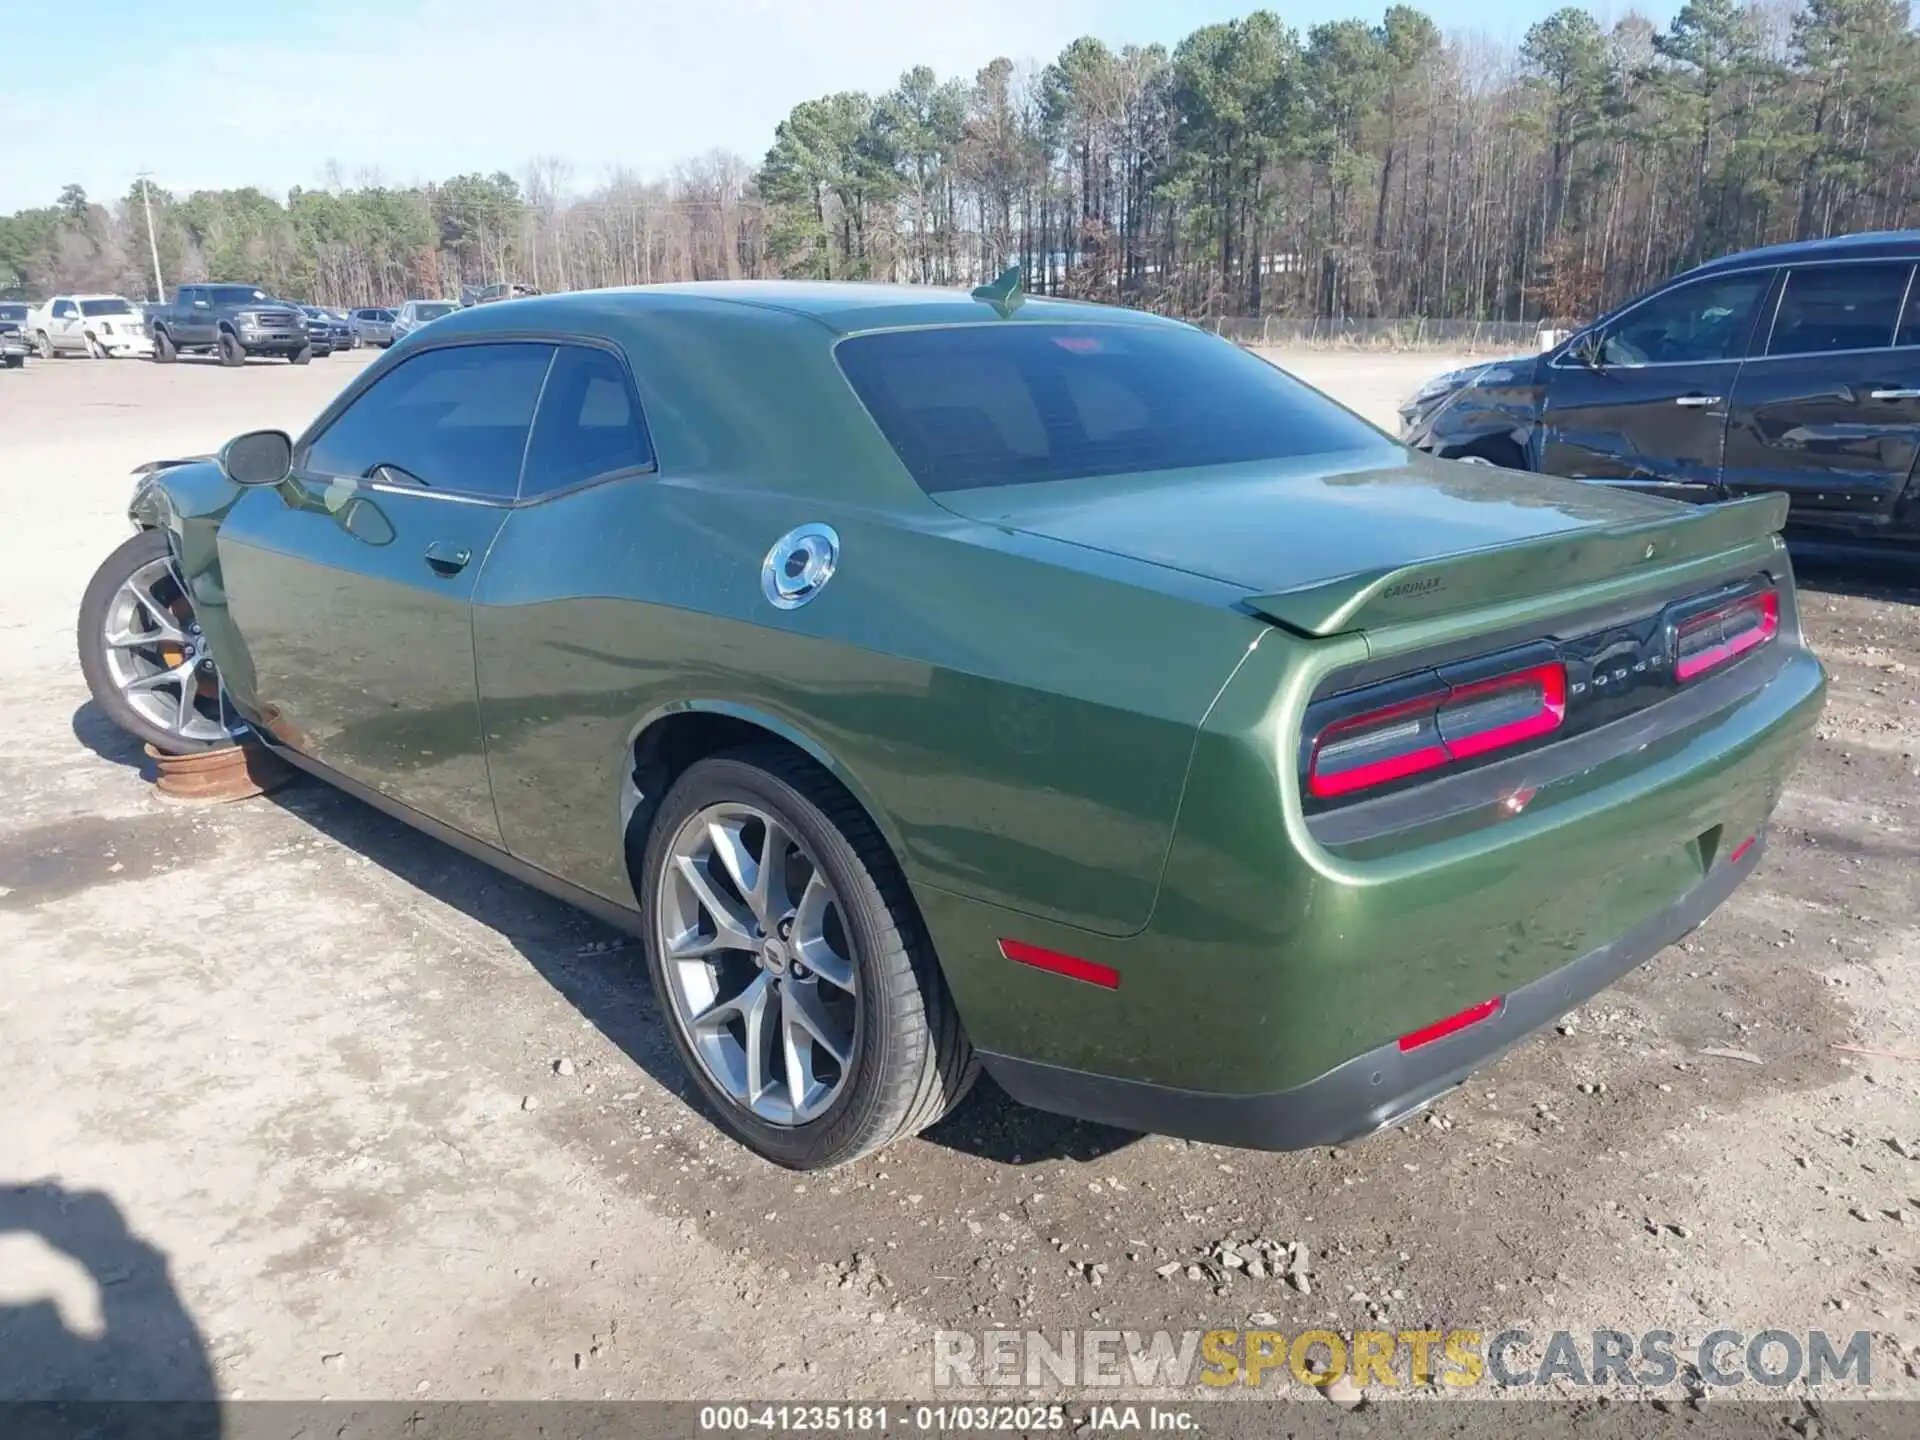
{"x":232,"y":352}
{"x":164,"y":352}
{"x":43,"y":345}
{"x":910,"y":1061}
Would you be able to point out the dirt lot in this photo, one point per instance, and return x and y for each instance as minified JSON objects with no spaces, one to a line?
{"x":309,"y":1059}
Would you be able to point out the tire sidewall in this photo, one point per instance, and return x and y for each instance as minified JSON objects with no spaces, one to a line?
{"x":230,"y":350}
{"x":863,"y":912}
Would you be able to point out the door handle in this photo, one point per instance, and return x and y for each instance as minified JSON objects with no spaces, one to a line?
{"x":1912,"y":393}
{"x":447,"y":559}
{"x":1697,"y":402}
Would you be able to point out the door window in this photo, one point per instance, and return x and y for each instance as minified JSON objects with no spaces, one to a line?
{"x":589,"y":424}
{"x":1839,"y":307}
{"x":64,"y":310}
{"x":452,"y":420}
{"x":1700,"y":321}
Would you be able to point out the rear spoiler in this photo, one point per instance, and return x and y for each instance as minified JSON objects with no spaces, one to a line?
{"x":1476,"y":578}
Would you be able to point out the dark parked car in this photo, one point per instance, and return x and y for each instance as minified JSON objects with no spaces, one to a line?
{"x":371,"y":325}
{"x":13,"y":334}
{"x":232,"y":321}
{"x":1794,"y":368}
{"x":327,"y":331}
{"x":935,"y":681}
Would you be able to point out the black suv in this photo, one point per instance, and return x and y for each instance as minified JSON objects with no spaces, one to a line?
{"x":1795,"y":368}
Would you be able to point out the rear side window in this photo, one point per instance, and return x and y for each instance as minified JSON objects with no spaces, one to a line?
{"x":446,"y":420}
{"x":1004,"y":404}
{"x":1839,"y":307}
{"x":589,"y":424}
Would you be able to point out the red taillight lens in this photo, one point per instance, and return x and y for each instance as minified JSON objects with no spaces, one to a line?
{"x":1457,"y":723}
{"x":1706,"y":642}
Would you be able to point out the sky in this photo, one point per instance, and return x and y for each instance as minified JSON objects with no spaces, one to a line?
{"x":219,"y":93}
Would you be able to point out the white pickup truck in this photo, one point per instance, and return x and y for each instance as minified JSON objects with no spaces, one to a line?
{"x":96,"y":325}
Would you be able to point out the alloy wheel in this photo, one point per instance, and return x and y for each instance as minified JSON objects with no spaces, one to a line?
{"x":758,"y":962}
{"x":160,"y":662}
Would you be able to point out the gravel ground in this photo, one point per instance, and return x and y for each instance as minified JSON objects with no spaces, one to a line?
{"x":286,"y":1115}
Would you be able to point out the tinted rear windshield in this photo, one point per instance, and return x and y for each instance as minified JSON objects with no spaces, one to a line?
{"x":975,"y":405}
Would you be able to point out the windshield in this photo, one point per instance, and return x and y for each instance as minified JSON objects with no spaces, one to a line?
{"x":235,"y":294}
{"x":105,"y":307}
{"x":432,"y":312}
{"x":972,"y":405}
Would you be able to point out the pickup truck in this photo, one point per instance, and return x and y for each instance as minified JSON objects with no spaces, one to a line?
{"x":231,"y":321}
{"x":102,"y":326}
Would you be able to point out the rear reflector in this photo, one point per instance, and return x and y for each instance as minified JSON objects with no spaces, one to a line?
{"x":1071,"y":966}
{"x":1440,"y":1029}
{"x":1454,"y":723}
{"x":1740,"y":850}
{"x":1706,"y":642}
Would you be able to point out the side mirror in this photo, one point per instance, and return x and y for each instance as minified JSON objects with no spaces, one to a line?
{"x":260,"y":457}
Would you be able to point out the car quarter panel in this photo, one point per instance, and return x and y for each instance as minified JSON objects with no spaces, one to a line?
{"x":1021,"y":730}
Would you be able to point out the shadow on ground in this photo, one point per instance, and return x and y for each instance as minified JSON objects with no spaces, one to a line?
{"x":602,"y":973}
{"x":74,"y":1361}
{"x":93,"y":729}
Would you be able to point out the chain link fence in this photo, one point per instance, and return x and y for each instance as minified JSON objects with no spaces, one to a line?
{"x":1503,"y":336}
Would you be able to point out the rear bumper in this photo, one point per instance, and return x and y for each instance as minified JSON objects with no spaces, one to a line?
{"x":1374,"y":1089}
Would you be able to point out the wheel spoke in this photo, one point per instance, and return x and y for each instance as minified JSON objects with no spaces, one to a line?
{"x":769,"y":896}
{"x":731,"y":846}
{"x":759,"y":1035}
{"x":810,"y":934}
{"x":734,"y":1007}
{"x":806,"y":1016}
{"x":141,"y":583}
{"x":163,"y":633}
{"x":189,"y":693}
{"x":181,"y":675}
{"x":731,"y":928}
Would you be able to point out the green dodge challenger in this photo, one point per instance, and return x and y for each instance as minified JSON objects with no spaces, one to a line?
{"x":937,"y":680}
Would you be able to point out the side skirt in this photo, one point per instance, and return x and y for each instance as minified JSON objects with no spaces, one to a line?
{"x":602,"y":909}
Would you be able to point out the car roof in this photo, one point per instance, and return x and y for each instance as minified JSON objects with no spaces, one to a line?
{"x":1867,"y":245}
{"x":840,"y":305}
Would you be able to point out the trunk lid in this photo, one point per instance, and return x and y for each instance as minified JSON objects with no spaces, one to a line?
{"x":1332,"y":544}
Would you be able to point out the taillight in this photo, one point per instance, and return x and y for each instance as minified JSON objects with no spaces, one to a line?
{"x":1706,"y":642}
{"x":1449,"y":724}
